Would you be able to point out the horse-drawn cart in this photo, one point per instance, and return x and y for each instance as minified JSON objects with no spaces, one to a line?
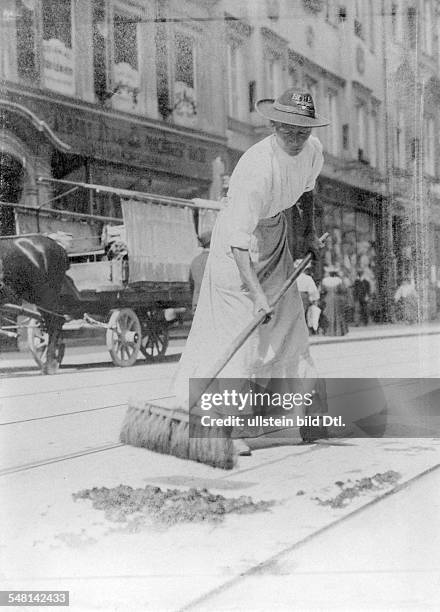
{"x":134,"y":285}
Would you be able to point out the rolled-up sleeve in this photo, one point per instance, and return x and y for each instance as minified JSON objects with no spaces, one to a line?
{"x":247,"y":196}
{"x":317,"y":164}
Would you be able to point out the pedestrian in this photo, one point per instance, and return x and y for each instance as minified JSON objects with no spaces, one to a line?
{"x":309,"y":294}
{"x":334,"y":295}
{"x":249,"y":258}
{"x":197,"y":268}
{"x":406,"y":301}
{"x":361,"y":297}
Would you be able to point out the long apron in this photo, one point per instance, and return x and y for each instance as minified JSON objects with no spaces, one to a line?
{"x":277,"y":349}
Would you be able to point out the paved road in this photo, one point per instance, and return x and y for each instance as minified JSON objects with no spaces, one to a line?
{"x":415,"y":355}
{"x":92,"y":394}
{"x":385,"y":557}
{"x":59,"y":434}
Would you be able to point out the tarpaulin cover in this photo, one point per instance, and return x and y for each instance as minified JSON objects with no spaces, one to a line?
{"x":161,"y":241}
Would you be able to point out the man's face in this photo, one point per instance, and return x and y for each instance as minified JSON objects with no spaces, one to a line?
{"x":291,"y":138}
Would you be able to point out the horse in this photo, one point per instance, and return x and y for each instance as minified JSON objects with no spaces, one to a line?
{"x":33,"y":268}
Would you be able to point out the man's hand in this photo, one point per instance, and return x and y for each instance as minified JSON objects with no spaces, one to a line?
{"x":312,"y":244}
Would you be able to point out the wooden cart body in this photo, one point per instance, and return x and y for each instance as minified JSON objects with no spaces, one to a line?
{"x":136,"y":315}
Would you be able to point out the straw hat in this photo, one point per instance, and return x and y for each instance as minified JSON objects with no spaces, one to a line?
{"x":293,"y":107}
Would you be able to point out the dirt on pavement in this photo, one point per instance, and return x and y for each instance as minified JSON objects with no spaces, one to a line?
{"x":138,"y":508}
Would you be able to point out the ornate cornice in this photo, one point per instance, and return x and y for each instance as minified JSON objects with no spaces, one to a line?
{"x":362,"y":89}
{"x":238,"y":26}
{"x":274,"y":39}
{"x":296,"y":59}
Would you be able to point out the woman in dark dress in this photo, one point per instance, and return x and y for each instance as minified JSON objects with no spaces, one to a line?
{"x":334,"y":295}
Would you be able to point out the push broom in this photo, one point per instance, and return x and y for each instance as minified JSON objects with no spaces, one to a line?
{"x":167,"y":430}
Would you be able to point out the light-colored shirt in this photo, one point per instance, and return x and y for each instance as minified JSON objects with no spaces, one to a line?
{"x":404,"y":291}
{"x":306,"y":284}
{"x":266,"y":181}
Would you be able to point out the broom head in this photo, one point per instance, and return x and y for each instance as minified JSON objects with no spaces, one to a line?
{"x":164,"y":429}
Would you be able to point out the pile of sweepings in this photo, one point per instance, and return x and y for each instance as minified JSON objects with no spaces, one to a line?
{"x":167,"y":507}
{"x":347,"y":493}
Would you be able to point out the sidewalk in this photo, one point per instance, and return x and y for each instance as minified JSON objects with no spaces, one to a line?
{"x":95,"y":347}
{"x":381,"y":332}
{"x":370,"y":332}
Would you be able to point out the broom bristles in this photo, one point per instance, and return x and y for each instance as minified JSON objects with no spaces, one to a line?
{"x":179,"y":443}
{"x":167,"y":432}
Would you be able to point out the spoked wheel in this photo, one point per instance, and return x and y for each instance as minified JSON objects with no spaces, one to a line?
{"x":124,"y":337}
{"x":38,"y":340}
{"x":155,"y":337}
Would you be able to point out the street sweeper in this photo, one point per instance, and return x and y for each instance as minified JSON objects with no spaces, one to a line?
{"x":249,"y":322}
{"x":250,"y":258}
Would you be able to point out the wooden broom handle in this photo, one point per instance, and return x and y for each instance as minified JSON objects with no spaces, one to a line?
{"x":249,"y":329}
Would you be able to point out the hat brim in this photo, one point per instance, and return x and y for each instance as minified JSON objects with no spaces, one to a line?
{"x":266,"y":109}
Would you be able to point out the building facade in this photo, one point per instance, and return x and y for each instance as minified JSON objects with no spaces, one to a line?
{"x":105,"y":92}
{"x":372,"y":67}
{"x":158,"y":96}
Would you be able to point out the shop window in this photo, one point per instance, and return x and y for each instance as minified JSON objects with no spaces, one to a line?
{"x":365,"y":248}
{"x":58,"y":61}
{"x":348,"y":239}
{"x":26,"y":50}
{"x":11,"y":190}
{"x":126,"y":74}
{"x":185,"y":96}
{"x":332,"y":221}
{"x":351,"y":242}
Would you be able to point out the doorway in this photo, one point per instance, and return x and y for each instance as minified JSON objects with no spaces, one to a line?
{"x":11,"y":189}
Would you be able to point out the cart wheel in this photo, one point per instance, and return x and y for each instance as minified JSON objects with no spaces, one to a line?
{"x":124,"y":337}
{"x":38,"y":340}
{"x":155,"y":338}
